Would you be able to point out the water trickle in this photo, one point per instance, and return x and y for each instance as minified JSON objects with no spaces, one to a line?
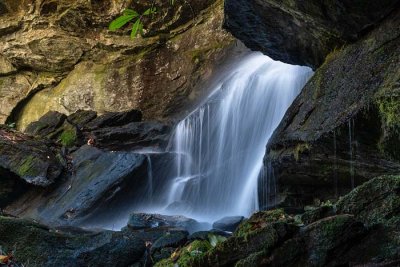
{"x":150,"y":184}
{"x":335,"y":174}
{"x":351,"y":138}
{"x":220,"y":146}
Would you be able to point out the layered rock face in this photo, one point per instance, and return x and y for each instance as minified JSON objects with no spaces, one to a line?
{"x":302,"y":32}
{"x":60,"y":56}
{"x":67,"y":168}
{"x":343,"y":129}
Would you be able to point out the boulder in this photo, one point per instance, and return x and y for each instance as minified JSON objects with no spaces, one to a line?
{"x":302,"y":32}
{"x":228,"y":224}
{"x":94,"y":179}
{"x":135,"y":135}
{"x":111,"y":119}
{"x":46,"y":125}
{"x":35,"y":162}
{"x":377,"y":201}
{"x":138,"y":221}
{"x":342,"y":130}
{"x":164,"y":246}
{"x":38,"y":245}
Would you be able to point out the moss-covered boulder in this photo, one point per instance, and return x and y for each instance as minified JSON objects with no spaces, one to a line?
{"x":34,"y":161}
{"x":377,"y":201}
{"x":37,"y":245}
{"x":93,"y":180}
{"x":335,"y":234}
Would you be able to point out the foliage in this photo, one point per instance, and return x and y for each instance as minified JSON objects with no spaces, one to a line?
{"x":130,"y":15}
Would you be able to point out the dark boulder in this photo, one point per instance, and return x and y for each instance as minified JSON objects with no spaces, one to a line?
{"x":34,"y":161}
{"x":228,"y":223}
{"x":82,"y":117}
{"x":164,"y":246}
{"x":377,"y":201}
{"x":138,"y":221}
{"x":46,"y":125}
{"x":134,"y":135}
{"x":95,"y":178}
{"x":111,"y":119}
{"x":343,"y":129}
{"x":39,"y":245}
{"x":302,"y":32}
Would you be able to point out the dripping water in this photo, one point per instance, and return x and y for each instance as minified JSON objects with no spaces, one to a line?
{"x":351,"y":151}
{"x":150,"y":184}
{"x":335,"y":174}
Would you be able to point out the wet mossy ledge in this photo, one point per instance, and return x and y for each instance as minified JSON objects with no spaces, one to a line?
{"x":360,"y":229}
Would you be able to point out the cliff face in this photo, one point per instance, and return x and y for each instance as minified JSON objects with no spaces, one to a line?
{"x":302,"y":32}
{"x":343,"y":129}
{"x":60,"y":53}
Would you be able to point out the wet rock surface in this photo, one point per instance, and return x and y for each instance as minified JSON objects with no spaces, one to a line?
{"x":39,"y":245}
{"x":34,"y":161}
{"x":342,"y":130}
{"x":302,"y":32}
{"x":274,"y":238}
{"x":96,"y":170}
{"x":138,"y":221}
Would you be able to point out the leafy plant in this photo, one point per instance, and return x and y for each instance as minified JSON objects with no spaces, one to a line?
{"x":130,"y":15}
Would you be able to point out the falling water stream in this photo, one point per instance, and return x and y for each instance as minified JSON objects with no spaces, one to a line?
{"x":218,"y":149}
{"x":220,"y":146}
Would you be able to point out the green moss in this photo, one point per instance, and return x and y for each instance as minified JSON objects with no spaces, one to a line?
{"x":193,"y":253}
{"x":188,"y":256}
{"x":253,"y":260}
{"x":299,"y":149}
{"x":27,"y":167}
{"x":68,"y":138}
{"x":260,"y":220}
{"x":165,"y":263}
{"x":389,"y":109}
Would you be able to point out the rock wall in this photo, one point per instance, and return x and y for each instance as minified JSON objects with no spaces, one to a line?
{"x":59,"y":55}
{"x":303,"y":32}
{"x":343,"y":129}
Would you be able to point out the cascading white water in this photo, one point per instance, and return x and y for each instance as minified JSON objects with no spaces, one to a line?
{"x":221,"y":145}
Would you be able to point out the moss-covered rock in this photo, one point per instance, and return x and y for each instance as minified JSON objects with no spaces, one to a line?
{"x":347,"y":114}
{"x":34,"y":161}
{"x":377,"y":201}
{"x":38,"y":245}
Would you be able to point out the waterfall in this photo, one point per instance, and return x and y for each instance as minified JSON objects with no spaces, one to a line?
{"x":220,"y":146}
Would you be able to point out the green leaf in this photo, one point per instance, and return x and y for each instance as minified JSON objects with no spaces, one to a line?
{"x":128,"y":12}
{"x":150,"y":11}
{"x":120,"y":21}
{"x":136,"y":28}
